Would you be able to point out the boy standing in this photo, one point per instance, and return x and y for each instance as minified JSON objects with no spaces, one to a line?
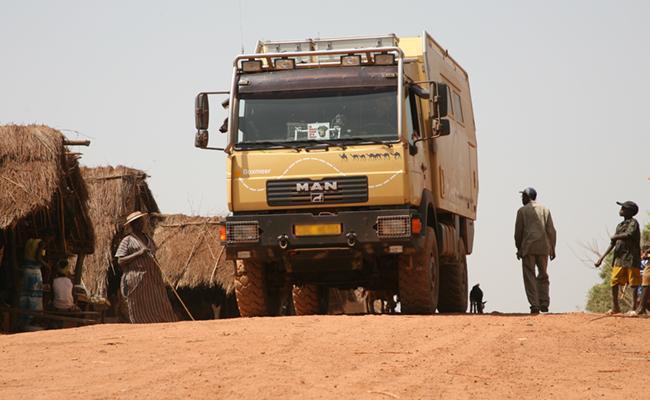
{"x":626,"y":244}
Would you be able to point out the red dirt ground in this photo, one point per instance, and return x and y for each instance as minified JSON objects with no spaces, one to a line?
{"x":566,"y":356}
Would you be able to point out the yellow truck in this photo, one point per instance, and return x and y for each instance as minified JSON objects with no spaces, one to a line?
{"x":351,"y":162}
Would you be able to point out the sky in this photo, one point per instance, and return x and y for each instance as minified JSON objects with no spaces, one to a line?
{"x":561,"y":96}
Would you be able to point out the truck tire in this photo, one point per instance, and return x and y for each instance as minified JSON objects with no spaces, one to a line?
{"x":250,"y":289}
{"x":419,"y":281}
{"x":453,"y":285}
{"x":306,"y":300}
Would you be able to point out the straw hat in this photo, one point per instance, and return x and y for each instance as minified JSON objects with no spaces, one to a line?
{"x":133,"y":216}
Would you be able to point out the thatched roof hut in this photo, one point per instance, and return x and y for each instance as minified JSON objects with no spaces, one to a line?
{"x":114,"y":193}
{"x":41,"y":190}
{"x":190,"y":254}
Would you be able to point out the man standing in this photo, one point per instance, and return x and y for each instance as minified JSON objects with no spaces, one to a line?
{"x":626,"y":244}
{"x":535,"y":239}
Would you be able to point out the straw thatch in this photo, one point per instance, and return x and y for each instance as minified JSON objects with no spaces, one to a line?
{"x":41,"y":190}
{"x":190,"y":254}
{"x":114,"y":193}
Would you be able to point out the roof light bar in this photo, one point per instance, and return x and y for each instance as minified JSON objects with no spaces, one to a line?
{"x":251,"y":65}
{"x":284,"y":63}
{"x":351,"y":60}
{"x":384,"y":59}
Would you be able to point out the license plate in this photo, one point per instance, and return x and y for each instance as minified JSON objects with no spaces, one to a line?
{"x":317,"y":230}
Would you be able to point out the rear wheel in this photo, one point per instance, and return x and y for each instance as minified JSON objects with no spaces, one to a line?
{"x":453,"y":285}
{"x":418,"y":279}
{"x":250,"y":289}
{"x":306,"y":299}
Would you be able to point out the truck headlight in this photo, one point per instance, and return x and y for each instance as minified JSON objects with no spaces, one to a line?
{"x":394,"y":226}
{"x":384,"y":59}
{"x":285,"y":63}
{"x":251,"y":66}
{"x":242,"y":232}
{"x":351,"y":60}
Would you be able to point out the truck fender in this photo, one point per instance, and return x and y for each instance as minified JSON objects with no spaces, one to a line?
{"x":428,"y":213}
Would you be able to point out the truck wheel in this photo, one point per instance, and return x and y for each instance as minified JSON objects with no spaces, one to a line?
{"x":419,"y":281}
{"x":250,"y":289}
{"x":453,"y":285}
{"x":306,"y":299}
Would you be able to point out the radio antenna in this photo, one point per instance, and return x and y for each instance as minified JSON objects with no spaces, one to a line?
{"x":241,"y":27}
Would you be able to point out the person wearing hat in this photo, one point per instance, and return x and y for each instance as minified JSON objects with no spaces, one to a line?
{"x":535,"y":239}
{"x":626,"y":244}
{"x":142,"y":283}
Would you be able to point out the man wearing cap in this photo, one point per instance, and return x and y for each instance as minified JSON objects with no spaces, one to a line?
{"x":626,"y":244}
{"x":535,"y":239}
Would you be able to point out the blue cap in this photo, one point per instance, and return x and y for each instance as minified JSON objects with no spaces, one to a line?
{"x":530,"y":192}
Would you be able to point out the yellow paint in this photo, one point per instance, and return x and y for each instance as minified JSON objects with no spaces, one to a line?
{"x":385,"y":168}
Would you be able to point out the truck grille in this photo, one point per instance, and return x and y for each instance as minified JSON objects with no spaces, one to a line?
{"x":292,"y":192}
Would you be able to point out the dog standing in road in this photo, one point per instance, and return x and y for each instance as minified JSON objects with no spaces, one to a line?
{"x":476,"y":300}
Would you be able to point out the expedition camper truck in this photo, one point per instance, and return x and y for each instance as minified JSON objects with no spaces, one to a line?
{"x":351,"y":163}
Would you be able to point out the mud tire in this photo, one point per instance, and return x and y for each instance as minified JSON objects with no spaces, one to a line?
{"x":250,"y":289}
{"x":306,"y":300}
{"x":419,"y":283}
{"x":453,"y":285}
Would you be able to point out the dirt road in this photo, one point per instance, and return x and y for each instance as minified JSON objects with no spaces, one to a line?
{"x":570,"y":356}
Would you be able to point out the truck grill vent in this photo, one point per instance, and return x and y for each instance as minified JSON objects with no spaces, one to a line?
{"x":335,"y":190}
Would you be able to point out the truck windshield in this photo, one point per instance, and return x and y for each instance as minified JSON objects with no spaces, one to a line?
{"x":318,"y":117}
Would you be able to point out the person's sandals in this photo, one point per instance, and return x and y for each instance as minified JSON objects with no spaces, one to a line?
{"x":612,"y":312}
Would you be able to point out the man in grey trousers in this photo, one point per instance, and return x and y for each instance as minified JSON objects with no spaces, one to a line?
{"x":535,"y":239}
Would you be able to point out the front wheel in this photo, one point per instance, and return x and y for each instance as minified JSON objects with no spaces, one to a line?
{"x":453,"y":285}
{"x":306,"y":299}
{"x":418,"y":278}
{"x":250,"y":289}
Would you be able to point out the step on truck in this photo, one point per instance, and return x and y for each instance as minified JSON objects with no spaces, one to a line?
{"x":351,"y":162}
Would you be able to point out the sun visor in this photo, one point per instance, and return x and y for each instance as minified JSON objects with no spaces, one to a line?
{"x":319,"y":78}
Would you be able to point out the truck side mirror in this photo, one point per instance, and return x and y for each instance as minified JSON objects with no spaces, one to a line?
{"x":440,"y":99}
{"x":202,"y":111}
{"x":201,"y":139}
{"x":202,"y":119}
{"x":441,"y":127}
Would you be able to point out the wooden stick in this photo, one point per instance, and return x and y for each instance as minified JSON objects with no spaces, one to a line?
{"x":189,"y":258}
{"x":171,"y":286}
{"x":68,"y":142}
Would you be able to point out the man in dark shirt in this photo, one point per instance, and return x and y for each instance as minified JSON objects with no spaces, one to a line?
{"x":626,"y":244}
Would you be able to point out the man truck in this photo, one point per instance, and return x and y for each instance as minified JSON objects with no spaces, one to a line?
{"x":351,"y":162}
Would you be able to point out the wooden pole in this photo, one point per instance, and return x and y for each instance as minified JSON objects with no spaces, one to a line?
{"x":68,"y":142}
{"x":171,"y":286}
{"x":78,"y":268}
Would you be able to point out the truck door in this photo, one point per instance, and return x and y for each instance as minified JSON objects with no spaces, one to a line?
{"x":418,"y":169}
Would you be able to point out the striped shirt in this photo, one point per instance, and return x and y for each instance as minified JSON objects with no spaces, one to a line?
{"x":142,"y":284}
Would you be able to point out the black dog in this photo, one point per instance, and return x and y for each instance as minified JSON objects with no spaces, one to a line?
{"x":476,"y":300}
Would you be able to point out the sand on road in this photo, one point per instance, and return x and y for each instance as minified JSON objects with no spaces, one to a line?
{"x":567,"y":356}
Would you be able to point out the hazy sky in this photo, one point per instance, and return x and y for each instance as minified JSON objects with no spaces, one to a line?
{"x":560,"y":91}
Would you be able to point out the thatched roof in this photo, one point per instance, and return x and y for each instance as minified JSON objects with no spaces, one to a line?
{"x":114,"y":193}
{"x":190,"y":254}
{"x":41,"y":187}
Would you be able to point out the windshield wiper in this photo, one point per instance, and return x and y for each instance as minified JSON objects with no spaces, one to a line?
{"x":269,"y":143}
{"x":358,"y":139}
{"x":305,"y":144}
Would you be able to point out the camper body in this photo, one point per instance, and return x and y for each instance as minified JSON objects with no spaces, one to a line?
{"x":351,"y":162}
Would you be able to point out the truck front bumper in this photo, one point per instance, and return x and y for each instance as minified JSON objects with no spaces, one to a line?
{"x":271,"y":237}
